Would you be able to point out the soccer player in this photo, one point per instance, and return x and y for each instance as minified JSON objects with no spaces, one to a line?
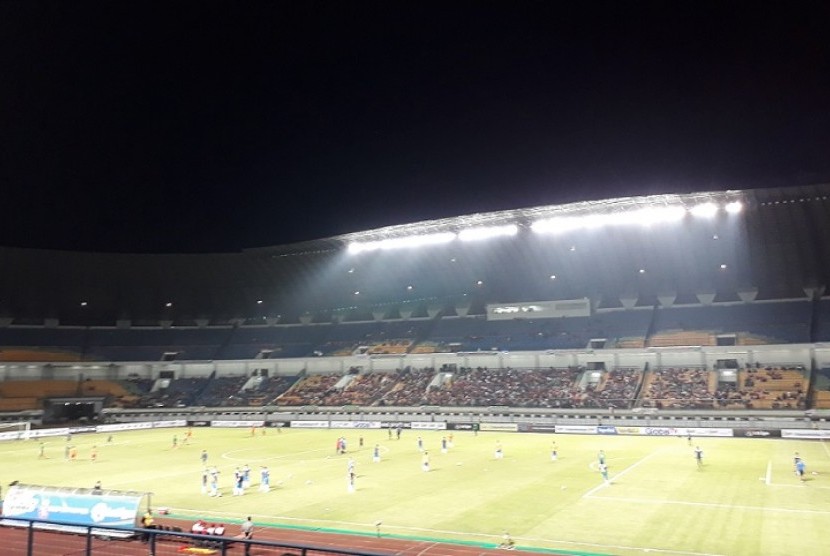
{"x":601,"y":457}
{"x":699,"y":457}
{"x":554,"y":452}
{"x":175,"y":441}
{"x":507,"y":542}
{"x":264,"y":479}
{"x":796,"y":459}
{"x":350,"y":466}
{"x":425,"y":462}
{"x":214,"y":482}
{"x":800,"y":467}
{"x":42,"y":453}
{"x":603,"y":470}
{"x":499,"y":452}
{"x":443,"y":444}
{"x":689,"y":438}
{"x":94,"y":454}
{"x":246,"y":476}
{"x":238,"y":482}
{"x":204,"y":457}
{"x":205,"y":480}
{"x":376,"y":454}
{"x":449,"y":441}
{"x":420,"y":444}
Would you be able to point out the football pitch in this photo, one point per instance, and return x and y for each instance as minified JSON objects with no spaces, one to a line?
{"x":745,"y":499}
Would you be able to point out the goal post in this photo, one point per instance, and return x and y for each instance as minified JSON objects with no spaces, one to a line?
{"x":17,"y":430}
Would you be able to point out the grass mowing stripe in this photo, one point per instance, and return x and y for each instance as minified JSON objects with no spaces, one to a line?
{"x":708,"y":505}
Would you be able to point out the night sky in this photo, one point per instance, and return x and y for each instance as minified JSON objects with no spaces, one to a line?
{"x":211,"y":126}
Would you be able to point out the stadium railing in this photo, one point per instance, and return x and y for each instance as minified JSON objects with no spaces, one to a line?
{"x":34,"y":537}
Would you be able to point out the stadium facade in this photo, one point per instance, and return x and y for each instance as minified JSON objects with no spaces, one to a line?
{"x":715,"y":280}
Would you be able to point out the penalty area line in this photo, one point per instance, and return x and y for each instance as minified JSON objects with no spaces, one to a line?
{"x":617,"y":476}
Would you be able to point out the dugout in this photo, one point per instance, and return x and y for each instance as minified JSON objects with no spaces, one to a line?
{"x":114,"y":513}
{"x":62,"y":410}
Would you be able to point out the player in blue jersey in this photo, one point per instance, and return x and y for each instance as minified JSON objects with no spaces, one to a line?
{"x":264,"y":479}
{"x":800,"y":467}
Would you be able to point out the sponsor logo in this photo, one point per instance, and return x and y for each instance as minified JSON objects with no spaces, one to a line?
{"x":758,"y":433}
{"x":576,"y":429}
{"x":164,"y":424}
{"x":659,"y":431}
{"x":606,"y":429}
{"x":428,"y":425}
{"x":460,"y":426}
{"x":236,"y":424}
{"x":805,"y":433}
{"x":498,"y":427}
{"x":309,"y":424}
{"x":355,"y":424}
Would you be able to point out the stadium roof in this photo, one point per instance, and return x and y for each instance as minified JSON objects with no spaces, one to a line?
{"x":635,"y":248}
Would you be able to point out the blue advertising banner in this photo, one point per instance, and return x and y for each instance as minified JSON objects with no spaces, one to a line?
{"x":103,"y":510}
{"x":606,"y":429}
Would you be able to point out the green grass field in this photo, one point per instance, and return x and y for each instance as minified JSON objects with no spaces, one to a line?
{"x":745,"y":500}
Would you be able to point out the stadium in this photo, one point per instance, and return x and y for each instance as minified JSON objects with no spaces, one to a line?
{"x":474,"y":366}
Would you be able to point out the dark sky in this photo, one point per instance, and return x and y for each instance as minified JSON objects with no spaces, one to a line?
{"x":214,"y":126}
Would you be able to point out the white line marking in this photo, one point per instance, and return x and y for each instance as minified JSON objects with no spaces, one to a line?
{"x":800,"y":485}
{"x":769,"y":473}
{"x":709,"y":505}
{"x":617,"y":476}
{"x":427,"y":548}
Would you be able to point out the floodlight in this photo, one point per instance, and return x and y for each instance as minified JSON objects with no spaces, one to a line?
{"x":402,"y":242}
{"x":657,"y":215}
{"x":487,"y":232}
{"x":734,"y":207}
{"x":706,"y":210}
